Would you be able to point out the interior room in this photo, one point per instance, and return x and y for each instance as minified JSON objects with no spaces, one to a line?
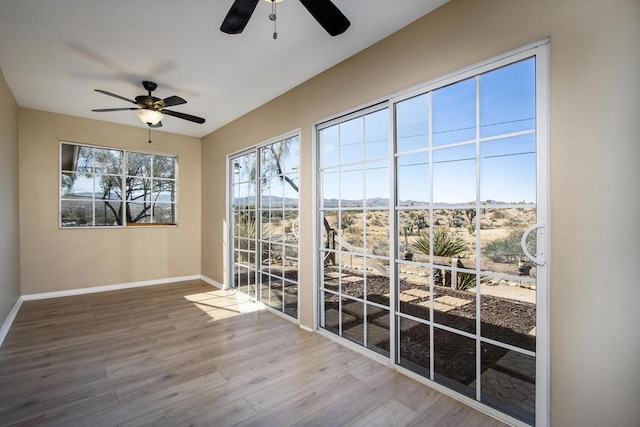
{"x":254,"y":209}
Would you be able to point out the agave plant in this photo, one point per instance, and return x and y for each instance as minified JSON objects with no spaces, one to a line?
{"x":445,"y":243}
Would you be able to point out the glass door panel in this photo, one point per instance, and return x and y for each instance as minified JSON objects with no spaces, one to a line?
{"x":479,"y":198}
{"x":265,"y":229}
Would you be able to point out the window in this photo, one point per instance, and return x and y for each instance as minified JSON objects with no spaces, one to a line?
{"x":105,"y":187}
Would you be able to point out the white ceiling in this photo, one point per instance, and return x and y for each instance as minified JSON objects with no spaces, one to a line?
{"x":54,"y":53}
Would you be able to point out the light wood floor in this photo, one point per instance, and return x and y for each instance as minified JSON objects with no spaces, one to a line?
{"x":189,"y":354}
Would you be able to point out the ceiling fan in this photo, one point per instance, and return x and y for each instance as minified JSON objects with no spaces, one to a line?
{"x":150,"y":109}
{"x":324,"y":11}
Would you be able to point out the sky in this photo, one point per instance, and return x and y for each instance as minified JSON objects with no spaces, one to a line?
{"x":506,"y":100}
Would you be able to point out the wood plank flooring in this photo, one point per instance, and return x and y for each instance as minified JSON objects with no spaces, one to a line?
{"x":188,"y":354}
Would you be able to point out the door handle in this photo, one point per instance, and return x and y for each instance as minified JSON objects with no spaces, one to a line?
{"x":540,"y":258}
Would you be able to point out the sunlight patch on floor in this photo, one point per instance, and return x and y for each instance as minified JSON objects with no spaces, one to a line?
{"x":222,"y":304}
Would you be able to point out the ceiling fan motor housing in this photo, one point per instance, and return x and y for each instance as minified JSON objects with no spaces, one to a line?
{"x":148,"y":102}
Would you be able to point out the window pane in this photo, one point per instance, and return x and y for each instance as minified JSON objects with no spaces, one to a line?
{"x":164,"y":166}
{"x":351,"y":226}
{"x":138,"y":212}
{"x":276,"y":192}
{"x":291,"y":191}
{"x":329,"y":147}
{"x":453,"y":243}
{"x":508,"y":170}
{"x":353,"y":276}
{"x":377,"y":236}
{"x":69,"y":157}
{"x":352,"y":186}
{"x":164,"y":213}
{"x":291,"y":155}
{"x":414,"y":296}
{"x":377,"y":183}
{"x":291,"y":299}
{"x":164,"y":190}
{"x":455,"y":361}
{"x":330,"y":188}
{"x":276,"y":293}
{"x":139,"y":164}
{"x":412,"y":123}
{"x":108,"y":187}
{"x":454,"y":175}
{"x":139,"y":189}
{"x":330,"y":317}
{"x":413,"y":179}
{"x":351,"y":141}
{"x":412,"y":224}
{"x":353,"y":320}
{"x":507,"y":99}
{"x":378,"y":282}
{"x":378,"y":329}
{"x":501,"y":235}
{"x":108,"y":161}
{"x":508,"y":311}
{"x":454,"y":113}
{"x":271,"y":159}
{"x":83,"y":161}
{"x":415,"y":347}
{"x":76,"y":213}
{"x":508,"y":382}
{"x":77,"y":185}
{"x":108,"y":213}
{"x":243,"y":168}
{"x":377,"y":135}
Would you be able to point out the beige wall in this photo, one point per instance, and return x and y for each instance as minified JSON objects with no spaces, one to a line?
{"x":594,"y":172}
{"x":9,"y":218}
{"x":54,"y":259}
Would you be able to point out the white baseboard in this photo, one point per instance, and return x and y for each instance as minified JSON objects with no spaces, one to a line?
{"x":107,"y":288}
{"x":305,"y":328}
{"x":213,"y":282}
{"x":4,"y":330}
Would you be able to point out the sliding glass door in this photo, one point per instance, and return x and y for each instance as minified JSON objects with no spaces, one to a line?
{"x":453,"y":177}
{"x":264,"y":197}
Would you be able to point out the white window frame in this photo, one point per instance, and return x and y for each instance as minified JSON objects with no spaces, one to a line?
{"x":123,"y":175}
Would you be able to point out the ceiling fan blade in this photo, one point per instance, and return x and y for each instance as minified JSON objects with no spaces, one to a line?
{"x":170,"y":101}
{"x":238,"y":16}
{"x":327,"y":15}
{"x":183,"y":116}
{"x":116,"y":96}
{"x":104,"y":110}
{"x":157,"y":125}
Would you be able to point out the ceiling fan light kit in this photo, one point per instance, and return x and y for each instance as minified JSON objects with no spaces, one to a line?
{"x":149,"y":117}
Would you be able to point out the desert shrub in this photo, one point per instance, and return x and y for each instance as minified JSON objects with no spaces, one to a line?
{"x":445,"y":243}
{"x":508,"y":249}
{"x":498,"y":214}
{"x":513,"y":222}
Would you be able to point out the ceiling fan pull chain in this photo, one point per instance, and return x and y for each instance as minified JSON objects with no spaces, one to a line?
{"x":149,"y":134}
{"x":273,"y":17}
